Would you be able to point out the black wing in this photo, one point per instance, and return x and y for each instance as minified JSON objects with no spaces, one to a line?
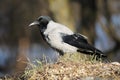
{"x":82,"y":44}
{"x":76,"y":40}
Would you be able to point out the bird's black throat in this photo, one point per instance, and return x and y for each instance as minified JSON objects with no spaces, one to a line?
{"x":42,"y":27}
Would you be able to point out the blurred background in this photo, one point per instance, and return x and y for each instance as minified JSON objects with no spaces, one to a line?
{"x":99,"y":20}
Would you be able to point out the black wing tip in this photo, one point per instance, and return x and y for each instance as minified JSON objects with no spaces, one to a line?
{"x":100,"y":54}
{"x":97,"y":53}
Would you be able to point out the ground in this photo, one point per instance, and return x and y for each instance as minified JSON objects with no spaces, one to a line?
{"x":72,"y":67}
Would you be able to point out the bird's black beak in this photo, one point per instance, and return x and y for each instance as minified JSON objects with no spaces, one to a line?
{"x":34,"y":23}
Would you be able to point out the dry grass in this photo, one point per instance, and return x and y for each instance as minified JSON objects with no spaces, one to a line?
{"x":74,"y":67}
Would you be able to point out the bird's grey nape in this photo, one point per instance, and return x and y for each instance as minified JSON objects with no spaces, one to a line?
{"x":44,"y":18}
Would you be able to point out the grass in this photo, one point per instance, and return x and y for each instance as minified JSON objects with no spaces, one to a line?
{"x":74,"y":67}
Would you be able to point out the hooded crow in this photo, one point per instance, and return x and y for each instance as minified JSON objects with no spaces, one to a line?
{"x":63,"y":40}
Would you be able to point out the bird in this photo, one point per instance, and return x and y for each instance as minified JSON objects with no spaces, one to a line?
{"x":63,"y":40}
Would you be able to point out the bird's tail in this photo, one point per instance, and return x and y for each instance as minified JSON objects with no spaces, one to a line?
{"x":88,"y":49}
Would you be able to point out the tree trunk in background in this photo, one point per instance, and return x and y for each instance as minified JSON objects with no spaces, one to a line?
{"x":14,"y":21}
{"x":22,"y":58}
{"x":109,"y":9}
{"x":88,"y":15}
{"x":110,"y":27}
{"x":61,"y":12}
{"x":86,"y":23}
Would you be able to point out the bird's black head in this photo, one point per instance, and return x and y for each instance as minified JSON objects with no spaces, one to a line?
{"x":41,"y":22}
